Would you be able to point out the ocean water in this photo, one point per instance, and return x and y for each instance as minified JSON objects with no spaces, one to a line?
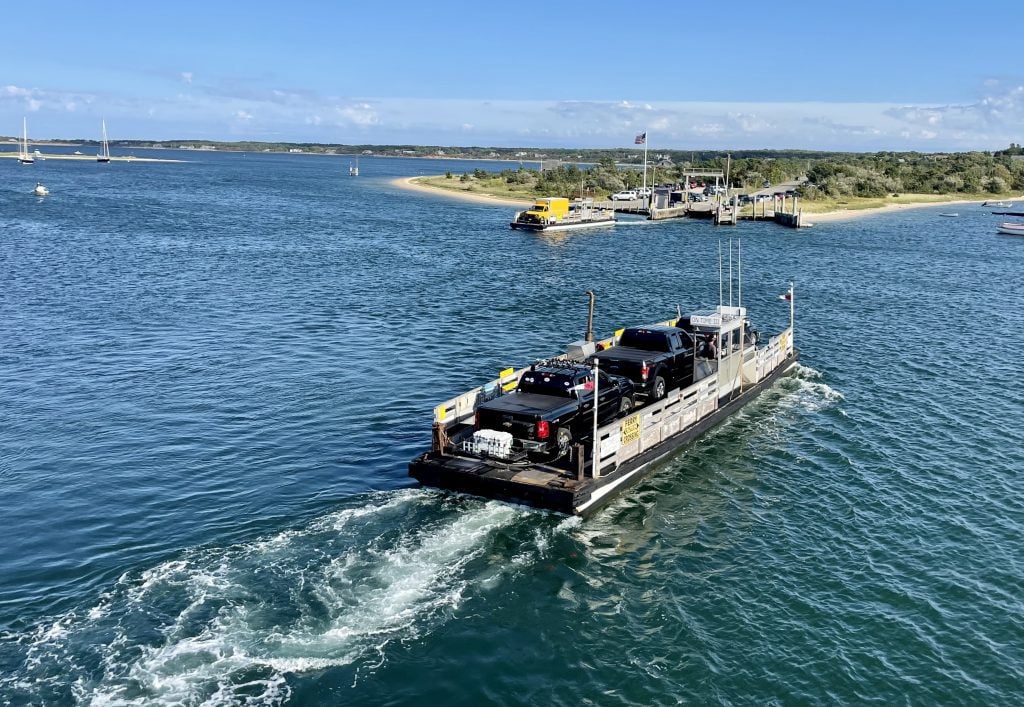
{"x":213,"y":374}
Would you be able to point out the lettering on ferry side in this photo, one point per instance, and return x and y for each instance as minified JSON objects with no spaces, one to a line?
{"x":630,"y":429}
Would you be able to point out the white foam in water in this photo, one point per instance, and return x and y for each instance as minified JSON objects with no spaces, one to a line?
{"x":812,"y":394}
{"x":415,"y":579}
{"x":220,"y":627}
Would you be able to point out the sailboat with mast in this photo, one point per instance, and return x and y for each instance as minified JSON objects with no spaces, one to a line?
{"x":24,"y":156}
{"x":353,"y":171}
{"x":104,"y":155}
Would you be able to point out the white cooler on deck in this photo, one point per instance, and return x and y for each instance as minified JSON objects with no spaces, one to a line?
{"x":492,"y":443}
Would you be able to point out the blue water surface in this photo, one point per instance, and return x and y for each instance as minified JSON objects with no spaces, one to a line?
{"x":214,"y":372}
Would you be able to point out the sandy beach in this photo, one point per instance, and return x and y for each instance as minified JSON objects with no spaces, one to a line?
{"x":849,"y":214}
{"x":410,"y":184}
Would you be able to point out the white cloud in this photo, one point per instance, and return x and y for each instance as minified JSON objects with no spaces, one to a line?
{"x":359,"y":114}
{"x":289,"y":113}
{"x":186,"y":76}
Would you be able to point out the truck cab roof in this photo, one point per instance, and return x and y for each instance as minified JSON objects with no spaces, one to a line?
{"x":654,"y":337}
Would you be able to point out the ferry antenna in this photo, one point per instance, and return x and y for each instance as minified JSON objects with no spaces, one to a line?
{"x":719,"y":272}
{"x":730,"y":272}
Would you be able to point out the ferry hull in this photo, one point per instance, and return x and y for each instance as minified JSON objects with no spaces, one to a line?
{"x":561,"y":226}
{"x":569,"y":495}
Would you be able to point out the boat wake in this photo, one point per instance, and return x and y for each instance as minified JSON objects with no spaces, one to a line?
{"x":808,"y":392}
{"x":226,"y":625}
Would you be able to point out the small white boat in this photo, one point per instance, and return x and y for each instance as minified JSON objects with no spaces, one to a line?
{"x":1011,"y":229}
{"x":952,"y":215}
{"x":77,"y":152}
{"x":353,"y":171}
{"x":40,"y":190}
{"x":999,"y":204}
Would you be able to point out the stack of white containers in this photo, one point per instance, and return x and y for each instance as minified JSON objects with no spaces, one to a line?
{"x":490,"y":442}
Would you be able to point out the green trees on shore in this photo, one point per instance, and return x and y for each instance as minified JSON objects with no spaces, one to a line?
{"x":835,"y":175}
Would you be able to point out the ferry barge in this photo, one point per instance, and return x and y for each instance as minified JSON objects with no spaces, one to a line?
{"x":559,"y":214}
{"x":619,"y":453}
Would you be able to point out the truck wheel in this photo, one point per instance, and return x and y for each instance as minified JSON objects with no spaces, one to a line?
{"x":626,"y":406}
{"x":563,"y":439}
{"x":658,"y":389}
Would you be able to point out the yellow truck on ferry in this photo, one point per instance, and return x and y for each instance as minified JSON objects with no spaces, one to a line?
{"x":554,"y":213}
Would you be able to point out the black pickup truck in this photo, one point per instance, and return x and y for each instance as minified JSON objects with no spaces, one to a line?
{"x":655,"y":358}
{"x":552,"y":407}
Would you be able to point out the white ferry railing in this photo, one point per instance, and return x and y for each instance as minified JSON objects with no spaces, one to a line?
{"x":758,"y":363}
{"x":624,"y":439}
{"x":771,"y":356}
{"x":462,"y":408}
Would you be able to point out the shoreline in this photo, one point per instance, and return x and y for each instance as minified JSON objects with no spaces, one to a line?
{"x":409,"y":184}
{"x":853,"y":214}
{"x":812,"y":218}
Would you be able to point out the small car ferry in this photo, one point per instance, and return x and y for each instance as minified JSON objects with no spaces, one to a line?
{"x":533,"y":446}
{"x":554,"y":213}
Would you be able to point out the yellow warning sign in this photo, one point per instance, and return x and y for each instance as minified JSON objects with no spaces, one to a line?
{"x":630,"y":429}
{"x":508,"y":380}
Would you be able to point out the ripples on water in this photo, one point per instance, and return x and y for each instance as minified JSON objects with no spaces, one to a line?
{"x":214,"y":374}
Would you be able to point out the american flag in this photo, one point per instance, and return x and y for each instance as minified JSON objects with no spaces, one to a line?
{"x":640,"y":139}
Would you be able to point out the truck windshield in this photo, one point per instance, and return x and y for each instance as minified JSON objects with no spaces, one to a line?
{"x":644,"y":339}
{"x":544,"y":383}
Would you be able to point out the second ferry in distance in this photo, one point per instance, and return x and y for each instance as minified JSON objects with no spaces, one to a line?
{"x":554,"y":213}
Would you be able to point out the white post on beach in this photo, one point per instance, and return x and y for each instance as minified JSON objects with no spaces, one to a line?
{"x":596,"y":452}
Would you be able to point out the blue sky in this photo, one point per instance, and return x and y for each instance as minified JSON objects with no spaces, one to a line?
{"x":866,"y":76}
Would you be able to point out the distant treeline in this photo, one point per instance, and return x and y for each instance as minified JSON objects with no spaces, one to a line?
{"x":838,"y":175}
{"x":829,"y":174}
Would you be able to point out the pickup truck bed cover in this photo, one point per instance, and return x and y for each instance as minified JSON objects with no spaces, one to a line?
{"x":528,"y":403}
{"x":627,"y":353}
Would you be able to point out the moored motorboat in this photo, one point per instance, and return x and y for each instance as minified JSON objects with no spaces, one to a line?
{"x":40,"y":190}
{"x":1011,"y":229}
